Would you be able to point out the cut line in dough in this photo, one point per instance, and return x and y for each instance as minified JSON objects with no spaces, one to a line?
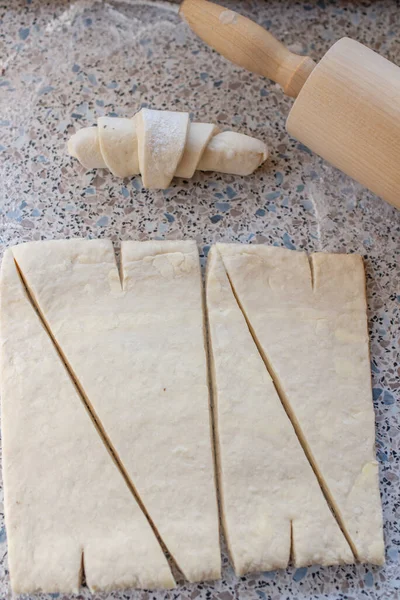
{"x":99,"y":428}
{"x":296,"y":426}
{"x":312,"y":274}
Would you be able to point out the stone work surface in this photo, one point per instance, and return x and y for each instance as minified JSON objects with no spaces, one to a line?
{"x":66,"y":63}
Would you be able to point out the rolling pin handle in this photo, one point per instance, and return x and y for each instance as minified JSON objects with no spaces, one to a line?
{"x":294,"y":73}
{"x":247,"y":44}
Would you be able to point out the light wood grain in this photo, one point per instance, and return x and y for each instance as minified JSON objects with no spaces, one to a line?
{"x":347,"y":108}
{"x":348,"y":112}
{"x":246,"y":44}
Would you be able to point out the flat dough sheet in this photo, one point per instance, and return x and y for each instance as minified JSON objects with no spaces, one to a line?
{"x":271,"y":502}
{"x":138,"y":352}
{"x":66,"y":503}
{"x":308,"y":316}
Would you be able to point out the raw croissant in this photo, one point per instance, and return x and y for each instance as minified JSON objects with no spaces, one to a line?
{"x":164,"y":144}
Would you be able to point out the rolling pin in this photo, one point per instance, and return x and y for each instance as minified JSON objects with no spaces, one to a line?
{"x":347,"y":107}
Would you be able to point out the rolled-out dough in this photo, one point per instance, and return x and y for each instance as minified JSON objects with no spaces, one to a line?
{"x":65,"y":500}
{"x":138,"y":352}
{"x":271,"y":501}
{"x":309,"y":319}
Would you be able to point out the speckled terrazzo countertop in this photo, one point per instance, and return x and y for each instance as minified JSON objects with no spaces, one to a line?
{"x":64,"y":64}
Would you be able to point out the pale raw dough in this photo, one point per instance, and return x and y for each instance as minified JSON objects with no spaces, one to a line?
{"x":199,"y":135}
{"x":163,"y":145}
{"x":65,"y":499}
{"x":270,"y":497}
{"x":161,"y":139}
{"x":231,"y":152}
{"x":310,"y":321}
{"x":119,"y":145}
{"x":139,"y":354}
{"x":85,"y":146}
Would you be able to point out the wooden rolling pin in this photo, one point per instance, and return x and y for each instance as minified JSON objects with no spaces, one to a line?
{"x":347,"y":107}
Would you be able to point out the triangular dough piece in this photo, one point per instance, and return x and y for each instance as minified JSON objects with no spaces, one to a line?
{"x":65,"y":499}
{"x":161,"y":141}
{"x":119,"y":145}
{"x":235,"y":153}
{"x":270,"y":497}
{"x":84,"y":145}
{"x":197,"y":139}
{"x":139,"y":354}
{"x":311,"y":325}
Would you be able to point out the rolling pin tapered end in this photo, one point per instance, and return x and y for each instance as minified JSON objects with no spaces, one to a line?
{"x":247,"y":44}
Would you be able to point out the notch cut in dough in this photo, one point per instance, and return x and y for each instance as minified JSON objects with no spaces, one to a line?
{"x":138,"y":351}
{"x":311,"y":327}
{"x":65,"y":500}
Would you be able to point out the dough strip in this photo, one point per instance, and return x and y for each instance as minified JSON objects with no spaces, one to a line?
{"x":103,"y":435}
{"x":296,"y":426}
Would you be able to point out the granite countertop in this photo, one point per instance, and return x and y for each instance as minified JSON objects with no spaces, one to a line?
{"x":66,"y":63}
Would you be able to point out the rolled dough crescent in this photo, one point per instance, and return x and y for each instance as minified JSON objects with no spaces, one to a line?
{"x":162,"y":144}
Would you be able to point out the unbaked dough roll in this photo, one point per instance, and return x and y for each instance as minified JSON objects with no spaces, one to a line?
{"x":164,"y":144}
